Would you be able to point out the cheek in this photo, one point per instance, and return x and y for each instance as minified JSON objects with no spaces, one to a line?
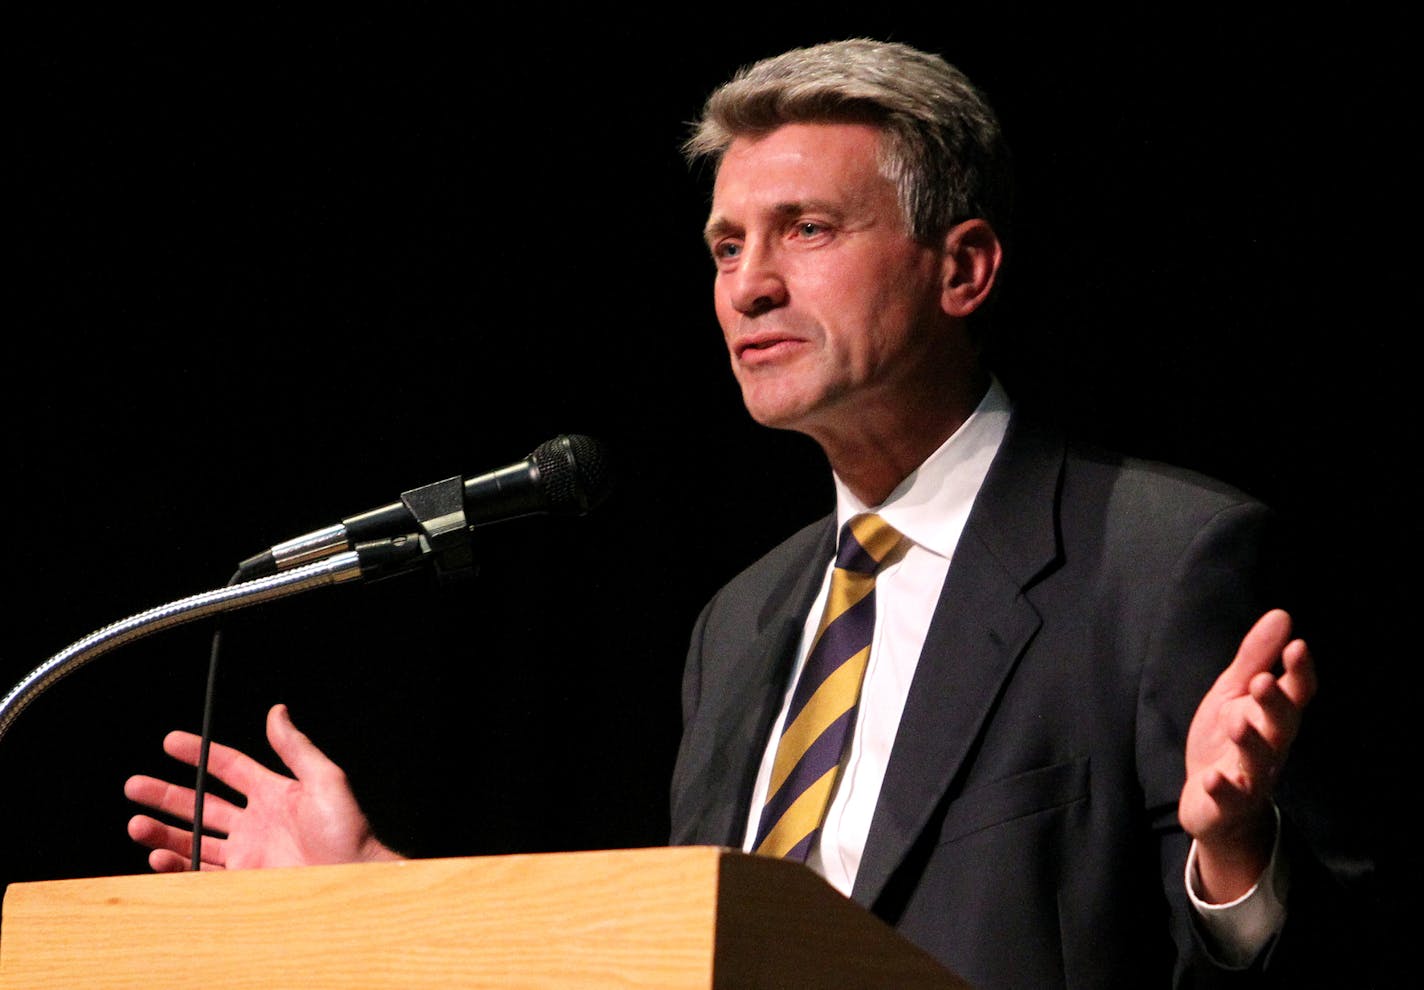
{"x":852,"y":313}
{"x":902,"y":300}
{"x":726,"y":315}
{"x":877,"y":338}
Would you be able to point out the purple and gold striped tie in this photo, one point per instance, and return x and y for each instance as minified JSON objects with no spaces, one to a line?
{"x":818,"y":723}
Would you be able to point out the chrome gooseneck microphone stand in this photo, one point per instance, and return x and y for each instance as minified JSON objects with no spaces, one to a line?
{"x":332,"y":570}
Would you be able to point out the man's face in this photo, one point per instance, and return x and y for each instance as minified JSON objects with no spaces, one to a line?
{"x":828,"y":306}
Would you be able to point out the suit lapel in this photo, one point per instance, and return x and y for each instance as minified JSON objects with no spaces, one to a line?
{"x":981,"y":626}
{"x":749,"y":690}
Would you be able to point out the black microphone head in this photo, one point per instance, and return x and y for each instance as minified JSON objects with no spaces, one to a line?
{"x":574,"y":473}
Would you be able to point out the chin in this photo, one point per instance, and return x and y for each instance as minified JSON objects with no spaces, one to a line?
{"x":780,"y":416}
{"x":768,"y":407}
{"x":784,"y":408}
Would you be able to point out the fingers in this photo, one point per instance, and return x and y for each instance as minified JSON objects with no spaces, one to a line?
{"x":236,"y":769}
{"x":163,"y":861}
{"x":1267,"y":713}
{"x":1299,"y":681}
{"x":1256,"y":757}
{"x":1269,"y":643}
{"x":1273,"y":712}
{"x":1232,"y":800}
{"x":1266,"y":720}
{"x":1261,"y":648}
{"x":1271,"y":703}
{"x":1261,"y":727}
{"x":173,"y":847}
{"x":292,"y":746}
{"x":160,"y":796}
{"x":1260,"y":740}
{"x":171,"y":799}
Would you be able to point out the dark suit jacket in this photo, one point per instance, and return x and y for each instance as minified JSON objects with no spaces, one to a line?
{"x":1026,"y":832}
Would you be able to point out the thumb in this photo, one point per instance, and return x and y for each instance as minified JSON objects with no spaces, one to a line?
{"x":293,"y":748}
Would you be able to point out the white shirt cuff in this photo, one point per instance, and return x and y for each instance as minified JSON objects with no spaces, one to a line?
{"x":1238,"y":930}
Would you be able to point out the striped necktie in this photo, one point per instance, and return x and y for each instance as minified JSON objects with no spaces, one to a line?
{"x":818,"y":723}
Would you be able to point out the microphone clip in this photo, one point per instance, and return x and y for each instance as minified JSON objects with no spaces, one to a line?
{"x":439,"y":510}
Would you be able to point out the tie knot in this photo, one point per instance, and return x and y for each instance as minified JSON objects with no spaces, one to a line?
{"x":866,"y":540}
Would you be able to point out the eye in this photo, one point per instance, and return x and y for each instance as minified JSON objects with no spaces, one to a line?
{"x":809,"y":228}
{"x":726,"y":250}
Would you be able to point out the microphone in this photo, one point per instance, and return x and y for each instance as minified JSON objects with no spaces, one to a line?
{"x":568,"y":475}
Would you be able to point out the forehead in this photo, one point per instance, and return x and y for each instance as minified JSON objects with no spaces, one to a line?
{"x":801,"y":163}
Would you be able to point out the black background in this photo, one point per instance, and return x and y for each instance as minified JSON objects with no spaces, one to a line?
{"x":271,"y":269}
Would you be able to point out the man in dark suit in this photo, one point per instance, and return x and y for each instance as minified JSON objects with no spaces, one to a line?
{"x":1045,"y":712}
{"x":1010,"y":790}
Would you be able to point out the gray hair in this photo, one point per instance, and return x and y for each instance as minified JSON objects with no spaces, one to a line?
{"x":943,"y":149}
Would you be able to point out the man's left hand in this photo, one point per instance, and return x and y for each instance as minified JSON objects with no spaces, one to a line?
{"x":1237,"y":743}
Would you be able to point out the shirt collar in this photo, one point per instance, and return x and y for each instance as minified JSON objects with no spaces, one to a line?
{"x":931,"y":505}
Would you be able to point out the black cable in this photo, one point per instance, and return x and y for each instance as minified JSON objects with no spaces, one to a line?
{"x":205,"y":741}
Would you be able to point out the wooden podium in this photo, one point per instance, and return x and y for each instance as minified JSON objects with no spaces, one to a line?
{"x":656,"y":918}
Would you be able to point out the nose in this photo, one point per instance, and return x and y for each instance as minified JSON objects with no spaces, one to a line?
{"x":757,"y":284}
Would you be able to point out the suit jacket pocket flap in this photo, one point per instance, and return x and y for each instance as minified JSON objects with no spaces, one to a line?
{"x":1027,"y":793}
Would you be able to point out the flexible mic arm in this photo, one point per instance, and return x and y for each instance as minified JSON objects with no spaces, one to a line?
{"x":368,"y":560}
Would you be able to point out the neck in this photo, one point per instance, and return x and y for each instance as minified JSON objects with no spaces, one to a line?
{"x":886,"y":443}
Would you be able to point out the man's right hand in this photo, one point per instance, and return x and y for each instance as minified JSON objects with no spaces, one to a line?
{"x":303,"y":821}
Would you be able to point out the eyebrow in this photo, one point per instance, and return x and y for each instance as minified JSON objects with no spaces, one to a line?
{"x":716,"y":228}
{"x":721,"y":226}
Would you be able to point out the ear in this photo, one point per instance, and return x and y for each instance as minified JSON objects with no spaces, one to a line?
{"x":972,"y":255}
